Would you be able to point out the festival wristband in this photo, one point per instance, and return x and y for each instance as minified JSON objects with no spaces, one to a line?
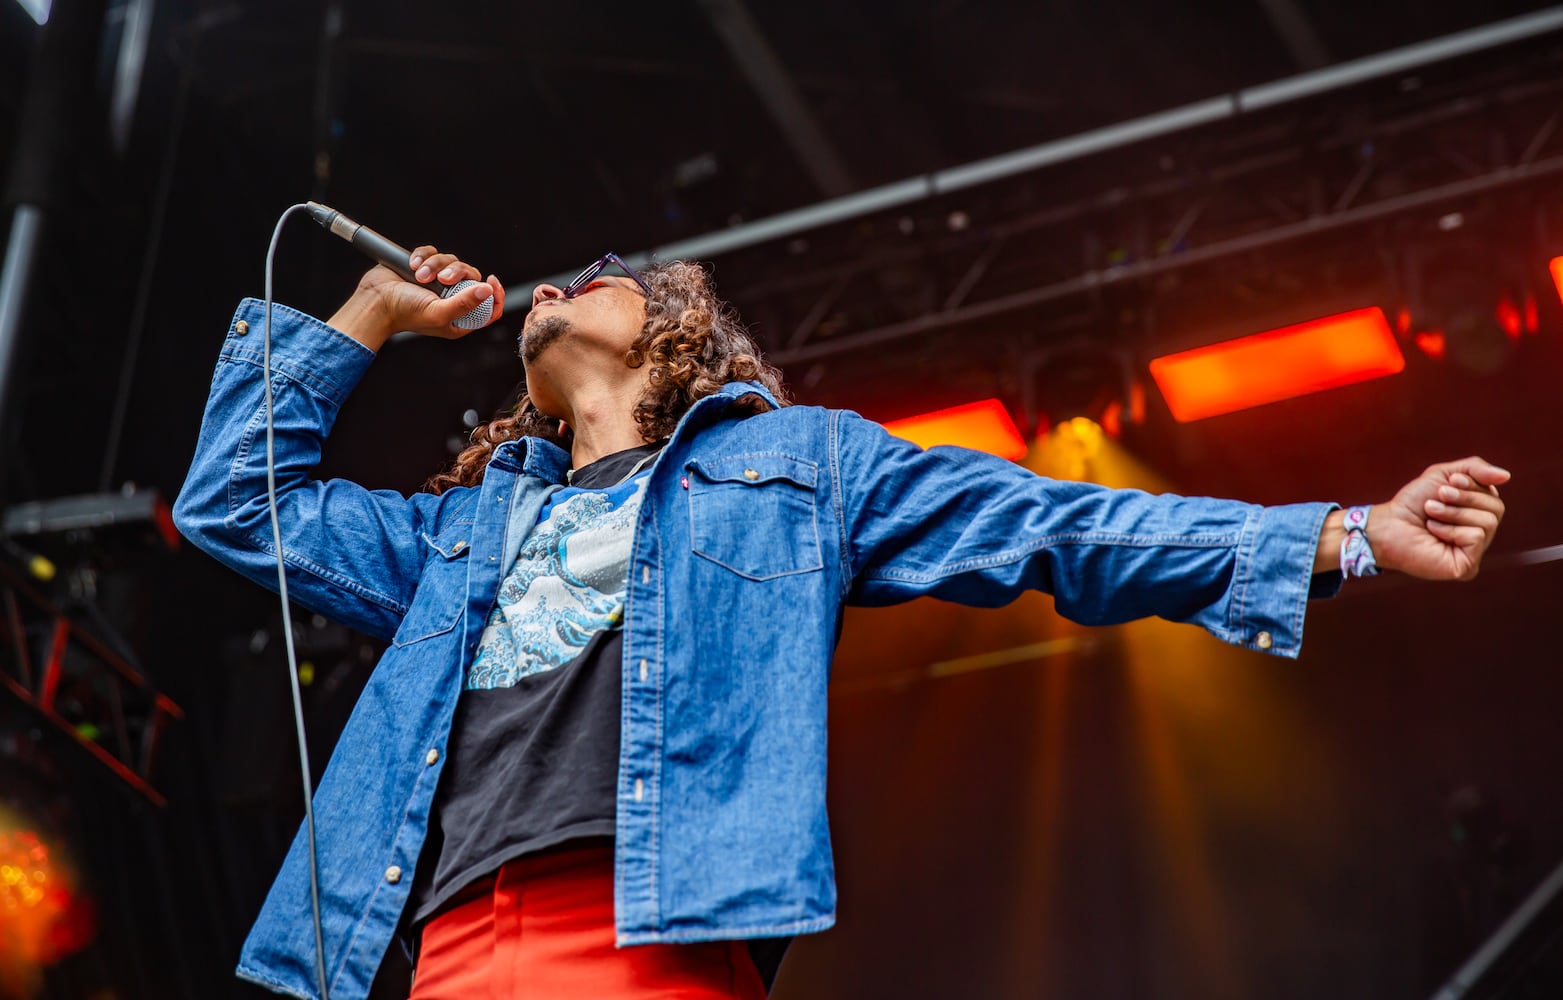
{"x":1356,"y":555}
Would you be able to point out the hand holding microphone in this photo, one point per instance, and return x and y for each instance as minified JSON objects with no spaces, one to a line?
{"x":396,"y":297}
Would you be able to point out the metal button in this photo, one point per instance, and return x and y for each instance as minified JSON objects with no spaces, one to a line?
{"x":393,"y":874}
{"x":642,"y":670}
{"x":241,"y":328}
{"x":640,"y":789}
{"x":432,"y":757}
{"x":457,"y":547}
{"x":1264,"y":640}
{"x":751,"y":475}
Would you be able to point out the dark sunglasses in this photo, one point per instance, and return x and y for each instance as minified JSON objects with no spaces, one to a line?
{"x":579,"y":283}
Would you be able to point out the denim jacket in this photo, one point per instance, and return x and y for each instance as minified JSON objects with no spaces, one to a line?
{"x":756,"y":531}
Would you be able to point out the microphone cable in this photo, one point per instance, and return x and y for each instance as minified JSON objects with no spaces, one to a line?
{"x":393,"y":256}
{"x":287,"y":619}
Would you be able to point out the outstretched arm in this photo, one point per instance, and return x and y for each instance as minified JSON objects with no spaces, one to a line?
{"x":1437,"y":527}
{"x":977,"y":530}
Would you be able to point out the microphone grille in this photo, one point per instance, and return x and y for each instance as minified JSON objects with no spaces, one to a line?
{"x":477,"y":317}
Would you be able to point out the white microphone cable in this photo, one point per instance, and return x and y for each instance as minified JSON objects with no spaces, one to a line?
{"x":287,"y":619}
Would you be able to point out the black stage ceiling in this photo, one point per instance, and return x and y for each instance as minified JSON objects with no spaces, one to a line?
{"x":532,"y":138}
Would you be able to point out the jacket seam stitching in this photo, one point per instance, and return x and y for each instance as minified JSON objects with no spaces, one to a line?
{"x":328,"y":391}
{"x":656,"y":757}
{"x":802,"y":925}
{"x":1015,"y":555}
{"x":236,"y":476}
{"x":244,"y":972}
{"x":844,"y":548}
{"x":710,"y":465}
{"x":762,"y":578}
{"x":1242,"y":569}
{"x":263,"y":544}
{"x":347,"y":952}
{"x":241,"y":458}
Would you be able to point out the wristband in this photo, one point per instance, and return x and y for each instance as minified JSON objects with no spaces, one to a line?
{"x":1356,"y":555}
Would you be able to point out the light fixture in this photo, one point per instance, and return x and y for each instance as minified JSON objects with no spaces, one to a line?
{"x":984,"y":425}
{"x":1278,"y":364}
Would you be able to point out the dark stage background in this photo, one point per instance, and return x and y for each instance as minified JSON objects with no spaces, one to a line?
{"x":1021,"y":808}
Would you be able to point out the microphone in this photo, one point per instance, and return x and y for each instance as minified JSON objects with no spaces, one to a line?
{"x":383,"y":251}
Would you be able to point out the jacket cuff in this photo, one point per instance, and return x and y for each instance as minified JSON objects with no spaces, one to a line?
{"x":1275,"y":578}
{"x":303,"y":348}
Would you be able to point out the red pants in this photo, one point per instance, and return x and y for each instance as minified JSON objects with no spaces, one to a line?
{"x":543,"y":929}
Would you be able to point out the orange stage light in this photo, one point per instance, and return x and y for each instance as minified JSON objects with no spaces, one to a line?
{"x":1557,"y":274}
{"x":984,"y":425}
{"x":1279,"y":364}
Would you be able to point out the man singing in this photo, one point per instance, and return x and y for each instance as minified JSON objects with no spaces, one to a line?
{"x":592,"y":761}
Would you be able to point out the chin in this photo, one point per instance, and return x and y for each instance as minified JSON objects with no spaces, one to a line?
{"x":536,"y":336}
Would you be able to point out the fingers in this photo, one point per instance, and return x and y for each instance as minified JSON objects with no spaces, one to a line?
{"x":448,"y":310}
{"x":1478,"y":499}
{"x":1468,"y":473}
{"x":448,"y":268}
{"x":1473,"y":517}
{"x":428,"y":263}
{"x":1459,"y":535}
{"x":499,"y":295}
{"x":436,"y":316}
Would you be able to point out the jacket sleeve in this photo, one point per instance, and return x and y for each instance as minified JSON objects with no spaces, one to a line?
{"x":352,"y":554}
{"x":972,"y":528}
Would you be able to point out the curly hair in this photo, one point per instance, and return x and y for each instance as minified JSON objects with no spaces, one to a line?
{"x":694,"y":344}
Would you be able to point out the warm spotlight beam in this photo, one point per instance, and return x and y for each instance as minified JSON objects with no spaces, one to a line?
{"x":1279,"y":364}
{"x":984,"y":425}
{"x":1557,"y":274}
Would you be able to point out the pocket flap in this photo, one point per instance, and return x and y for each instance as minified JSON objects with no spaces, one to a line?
{"x":452,"y":547}
{"x":754,"y":470}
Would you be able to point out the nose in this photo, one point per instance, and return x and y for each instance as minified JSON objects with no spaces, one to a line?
{"x":546,"y":291}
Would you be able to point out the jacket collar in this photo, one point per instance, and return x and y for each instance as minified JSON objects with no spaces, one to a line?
{"x":532,"y":456}
{"x":547,"y":461}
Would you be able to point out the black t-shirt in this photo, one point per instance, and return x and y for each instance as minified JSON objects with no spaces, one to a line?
{"x":533,"y":754}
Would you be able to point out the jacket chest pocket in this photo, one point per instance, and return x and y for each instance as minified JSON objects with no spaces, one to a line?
{"x":755,"y":514}
{"x":442,"y":590}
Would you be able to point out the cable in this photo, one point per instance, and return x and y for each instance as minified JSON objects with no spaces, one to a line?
{"x":287,"y":620}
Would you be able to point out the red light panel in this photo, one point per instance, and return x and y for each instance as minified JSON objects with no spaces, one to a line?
{"x":1279,"y":364}
{"x":984,"y":425}
{"x":1431,"y":343}
{"x":1509,"y":318}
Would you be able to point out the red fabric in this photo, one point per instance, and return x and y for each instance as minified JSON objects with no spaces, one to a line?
{"x":542,"y":928}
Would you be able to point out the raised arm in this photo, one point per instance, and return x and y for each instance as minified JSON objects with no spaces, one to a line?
{"x":352,"y":554}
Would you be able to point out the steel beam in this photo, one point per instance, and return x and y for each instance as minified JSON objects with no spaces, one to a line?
{"x":1105,"y":139}
{"x":1102,"y":277}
